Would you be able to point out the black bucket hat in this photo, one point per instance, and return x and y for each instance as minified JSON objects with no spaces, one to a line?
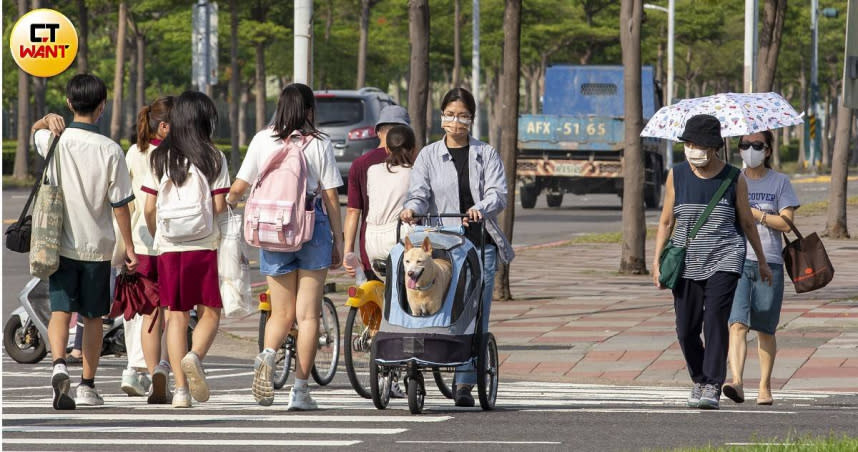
{"x":703,"y":130}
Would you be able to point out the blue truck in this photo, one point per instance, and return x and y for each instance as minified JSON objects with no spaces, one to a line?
{"x":576,"y":144}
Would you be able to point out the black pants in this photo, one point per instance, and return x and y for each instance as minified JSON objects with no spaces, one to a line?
{"x":705,"y":305}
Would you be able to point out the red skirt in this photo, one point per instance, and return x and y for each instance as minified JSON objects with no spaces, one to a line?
{"x":189,"y":278}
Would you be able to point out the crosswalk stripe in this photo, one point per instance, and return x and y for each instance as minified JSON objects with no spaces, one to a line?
{"x":215,"y":429}
{"x":177,"y":417}
{"x":179,"y":442}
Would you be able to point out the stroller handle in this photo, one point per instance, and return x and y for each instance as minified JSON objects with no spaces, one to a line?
{"x":450,"y":215}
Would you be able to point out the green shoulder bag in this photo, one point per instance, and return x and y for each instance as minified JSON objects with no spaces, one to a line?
{"x":672,"y":258}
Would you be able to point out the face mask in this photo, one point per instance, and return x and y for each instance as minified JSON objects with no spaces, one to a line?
{"x":696,"y":157}
{"x":753,"y":158}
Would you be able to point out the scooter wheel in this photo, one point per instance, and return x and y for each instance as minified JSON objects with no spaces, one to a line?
{"x":25,"y":346}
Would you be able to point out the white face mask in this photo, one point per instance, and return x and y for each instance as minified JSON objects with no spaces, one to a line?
{"x":753,"y":158}
{"x":696,"y":157}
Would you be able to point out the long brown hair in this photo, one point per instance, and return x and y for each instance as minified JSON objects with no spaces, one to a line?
{"x":149,"y":118}
{"x":769,"y":139}
{"x":400,"y":146}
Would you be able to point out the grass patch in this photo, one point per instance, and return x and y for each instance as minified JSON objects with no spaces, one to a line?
{"x":831,"y":443}
{"x":11,"y":182}
{"x":607,"y":237}
{"x":819,"y":207}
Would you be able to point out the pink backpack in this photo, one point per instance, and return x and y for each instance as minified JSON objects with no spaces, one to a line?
{"x":277,"y":216}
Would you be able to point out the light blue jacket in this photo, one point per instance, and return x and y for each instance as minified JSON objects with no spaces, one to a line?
{"x":434,"y":187}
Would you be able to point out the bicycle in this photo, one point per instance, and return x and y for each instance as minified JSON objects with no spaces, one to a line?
{"x":327,"y":353}
{"x":366,"y":303}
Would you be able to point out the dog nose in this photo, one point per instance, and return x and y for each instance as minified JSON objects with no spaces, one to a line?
{"x":410,"y":273}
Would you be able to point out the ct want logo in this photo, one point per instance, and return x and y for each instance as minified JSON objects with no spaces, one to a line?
{"x":43,"y":43}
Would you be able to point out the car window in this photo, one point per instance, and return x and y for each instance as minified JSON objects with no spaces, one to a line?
{"x":338,"y":111}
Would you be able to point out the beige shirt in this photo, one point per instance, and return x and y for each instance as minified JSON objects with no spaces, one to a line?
{"x":139,"y":168}
{"x":220,"y":186}
{"x":94,"y":180}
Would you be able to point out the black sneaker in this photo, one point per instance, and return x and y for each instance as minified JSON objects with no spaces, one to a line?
{"x":463,"y":396}
{"x":61,"y":385}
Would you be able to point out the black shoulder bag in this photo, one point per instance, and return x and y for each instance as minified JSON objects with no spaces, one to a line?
{"x":18,"y":233}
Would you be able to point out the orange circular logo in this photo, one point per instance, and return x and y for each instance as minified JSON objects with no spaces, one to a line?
{"x":43,"y":43}
{"x":808,"y":271}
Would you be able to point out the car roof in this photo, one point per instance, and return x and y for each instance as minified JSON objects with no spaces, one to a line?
{"x":361,"y":93}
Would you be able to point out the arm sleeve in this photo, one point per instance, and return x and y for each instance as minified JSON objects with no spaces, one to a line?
{"x":329,"y":175}
{"x":419,"y":188}
{"x":42,"y":141}
{"x":119,"y":191}
{"x":250,"y":166}
{"x":787,"y":197}
{"x":150,"y":185}
{"x":355,"y":192}
{"x":494,"y":191}
{"x":221,"y":184}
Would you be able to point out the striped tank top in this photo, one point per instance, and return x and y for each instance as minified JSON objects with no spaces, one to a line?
{"x":720,"y":243}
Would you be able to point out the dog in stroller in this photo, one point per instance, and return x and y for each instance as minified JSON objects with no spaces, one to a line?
{"x":426,"y":278}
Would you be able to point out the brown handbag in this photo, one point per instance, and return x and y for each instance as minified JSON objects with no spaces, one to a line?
{"x":806,"y":261}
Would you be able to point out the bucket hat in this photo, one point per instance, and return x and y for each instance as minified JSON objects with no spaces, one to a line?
{"x":393,"y":114}
{"x":703,"y":130}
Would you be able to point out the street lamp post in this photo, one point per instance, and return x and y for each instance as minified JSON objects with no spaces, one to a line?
{"x":670,"y":41}
{"x":814,"y":137}
{"x":751,"y":15}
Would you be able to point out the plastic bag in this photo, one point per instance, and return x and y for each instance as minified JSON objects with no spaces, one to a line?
{"x":232,"y":267}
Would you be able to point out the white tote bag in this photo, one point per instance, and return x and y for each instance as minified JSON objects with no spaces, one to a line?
{"x":232,"y":267}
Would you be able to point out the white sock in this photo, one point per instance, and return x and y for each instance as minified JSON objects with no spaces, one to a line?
{"x":269,"y":350}
{"x":61,"y":368}
{"x":300,"y":385}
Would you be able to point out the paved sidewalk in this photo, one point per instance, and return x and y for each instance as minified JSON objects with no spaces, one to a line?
{"x":575,"y":319}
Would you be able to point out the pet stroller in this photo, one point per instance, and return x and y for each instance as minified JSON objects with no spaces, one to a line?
{"x":448,"y":338}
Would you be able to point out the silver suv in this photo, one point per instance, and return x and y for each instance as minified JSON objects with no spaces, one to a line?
{"x":348,"y":118}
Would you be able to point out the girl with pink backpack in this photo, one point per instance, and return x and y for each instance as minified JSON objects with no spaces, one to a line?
{"x":185,"y":191}
{"x":293,"y":216}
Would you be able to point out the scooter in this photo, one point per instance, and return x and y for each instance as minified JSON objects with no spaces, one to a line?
{"x":25,"y":333}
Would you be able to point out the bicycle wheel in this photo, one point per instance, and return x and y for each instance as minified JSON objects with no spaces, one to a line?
{"x":358,"y":340}
{"x":283,"y":363}
{"x":328,"y":352}
{"x":446,"y":387}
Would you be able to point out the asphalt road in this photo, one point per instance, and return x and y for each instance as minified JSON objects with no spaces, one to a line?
{"x":529,"y":416}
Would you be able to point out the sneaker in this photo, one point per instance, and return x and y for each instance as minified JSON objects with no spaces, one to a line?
{"x":60,"y":384}
{"x":709,"y":398}
{"x":396,"y":389}
{"x":734,"y":392}
{"x":301,"y":401}
{"x":134,"y":384}
{"x":694,"y":397}
{"x":263,"y":369}
{"x":193,"y":370}
{"x":160,"y":394}
{"x":463,"y":396}
{"x":181,"y":398}
{"x":87,"y":396}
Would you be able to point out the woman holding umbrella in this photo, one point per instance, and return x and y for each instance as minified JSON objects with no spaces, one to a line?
{"x":756,"y":305}
{"x":714,"y":257}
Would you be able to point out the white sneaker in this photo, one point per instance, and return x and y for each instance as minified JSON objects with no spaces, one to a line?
{"x":193,"y":369}
{"x":86,"y":396}
{"x":134,"y":383}
{"x":181,"y":398}
{"x":160,"y":394}
{"x":301,"y":401}
{"x":262,"y":387}
{"x":60,"y":385}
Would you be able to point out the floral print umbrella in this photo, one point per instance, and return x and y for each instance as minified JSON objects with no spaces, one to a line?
{"x":739,"y":113}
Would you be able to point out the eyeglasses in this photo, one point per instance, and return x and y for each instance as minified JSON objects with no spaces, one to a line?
{"x":757,"y":145}
{"x":462,"y":118}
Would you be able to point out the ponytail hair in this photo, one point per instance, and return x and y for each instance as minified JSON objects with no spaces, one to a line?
{"x":401,"y":144}
{"x":149,"y":118}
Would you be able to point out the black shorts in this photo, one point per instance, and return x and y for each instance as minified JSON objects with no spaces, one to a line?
{"x":82,"y":287}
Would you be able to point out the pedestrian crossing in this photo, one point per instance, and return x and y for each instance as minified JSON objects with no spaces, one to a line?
{"x":232,"y":420}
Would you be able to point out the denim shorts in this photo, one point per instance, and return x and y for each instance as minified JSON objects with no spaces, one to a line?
{"x":313,"y":255}
{"x":756,"y":303}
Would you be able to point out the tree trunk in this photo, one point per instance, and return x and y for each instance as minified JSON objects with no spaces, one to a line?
{"x":418,"y":87}
{"x":20,"y":172}
{"x":770,"y":42}
{"x":825,"y":129}
{"x":39,"y":83}
{"x":242,"y":116}
{"x":234,"y":86}
{"x":509,"y":134}
{"x":363,"y":43}
{"x":457,"y":43}
{"x":141,"y":70}
{"x":83,"y":37}
{"x":633,"y":260}
{"x":835,"y":226}
{"x":261,"y":120}
{"x":495,"y":115}
{"x":118,"y":73}
{"x":130,"y":106}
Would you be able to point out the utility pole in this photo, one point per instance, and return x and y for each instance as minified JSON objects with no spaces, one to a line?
{"x":668,"y":98}
{"x":303,"y":33}
{"x":812,"y":133}
{"x":751,"y":18}
{"x":475,"y":69}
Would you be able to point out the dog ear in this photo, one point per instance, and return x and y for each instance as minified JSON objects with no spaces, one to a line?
{"x":408,"y":244}
{"x":427,"y":245}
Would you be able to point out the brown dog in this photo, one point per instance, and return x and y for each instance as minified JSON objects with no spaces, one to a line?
{"x":426,"y":279}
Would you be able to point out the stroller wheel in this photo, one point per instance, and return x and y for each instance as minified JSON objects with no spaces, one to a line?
{"x":379,"y":382}
{"x":488,"y":372}
{"x":416,"y":393}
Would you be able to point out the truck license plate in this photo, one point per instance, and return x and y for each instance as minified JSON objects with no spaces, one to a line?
{"x":567,"y":170}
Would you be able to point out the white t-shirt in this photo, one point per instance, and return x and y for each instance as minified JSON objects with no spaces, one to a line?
{"x":319,"y":155}
{"x":220,"y":185}
{"x":94,"y":181}
{"x":386,"y":191}
{"x":139,"y":168}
